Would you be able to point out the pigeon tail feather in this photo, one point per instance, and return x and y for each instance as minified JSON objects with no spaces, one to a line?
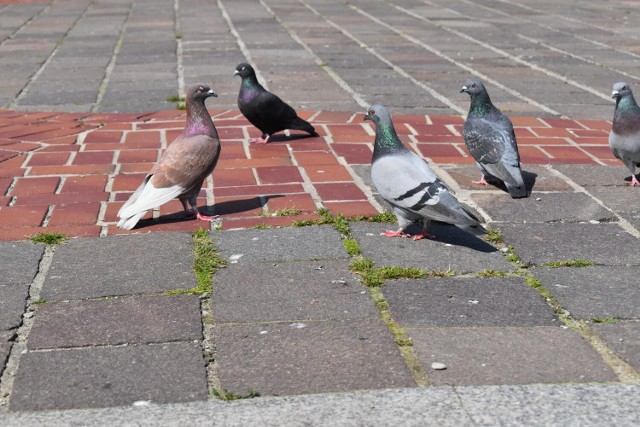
{"x":476,"y":230}
{"x":517,"y":192}
{"x":130,"y":222}
{"x":301,"y":124}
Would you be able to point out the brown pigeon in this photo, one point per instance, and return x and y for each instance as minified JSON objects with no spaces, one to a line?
{"x":183,"y":167}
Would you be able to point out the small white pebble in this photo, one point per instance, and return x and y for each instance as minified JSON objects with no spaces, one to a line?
{"x":141,"y":403}
{"x":594,"y":221}
{"x":263,"y":332}
{"x":297,"y":325}
{"x":538,"y":199}
{"x":437,"y":366}
{"x":473,"y":301}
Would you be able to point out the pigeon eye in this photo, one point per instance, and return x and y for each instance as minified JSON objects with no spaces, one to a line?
{"x":473,"y":85}
{"x":200,"y":89}
{"x":372,"y":112}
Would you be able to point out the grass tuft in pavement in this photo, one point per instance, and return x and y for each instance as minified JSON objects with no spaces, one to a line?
{"x":49,"y":238}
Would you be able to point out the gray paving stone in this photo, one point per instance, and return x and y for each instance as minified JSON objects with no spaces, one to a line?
{"x":109,"y":376}
{"x":536,"y":177}
{"x":281,"y":244}
{"x":466,"y":302}
{"x":590,"y":175}
{"x":620,"y":199}
{"x":6,"y":338}
{"x":633,"y":218}
{"x":530,"y":355}
{"x":128,"y":320}
{"x":451,"y":249}
{"x":13,"y":300}
{"x":120,"y":265}
{"x":289,"y":291}
{"x":548,"y":207}
{"x":19,"y":261}
{"x":623,"y":338}
{"x":309,"y":357}
{"x":597,"y":291}
{"x":605,"y":244}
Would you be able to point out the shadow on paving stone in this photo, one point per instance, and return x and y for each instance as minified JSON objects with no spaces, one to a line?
{"x":309,"y":357}
{"x":289,"y":291}
{"x":510,"y":355}
{"x":98,"y":377}
{"x":280,"y":244}
{"x":451,"y":249}
{"x":536,"y":178}
{"x":592,"y":292}
{"x":120,"y":265}
{"x":604,"y":244}
{"x":547,"y":207}
{"x":623,"y":338}
{"x":466,"y":302}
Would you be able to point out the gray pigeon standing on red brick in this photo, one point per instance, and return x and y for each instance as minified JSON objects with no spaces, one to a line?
{"x":624,"y":138}
{"x":183,"y":167}
{"x":489,"y":136}
{"x":265,"y":110}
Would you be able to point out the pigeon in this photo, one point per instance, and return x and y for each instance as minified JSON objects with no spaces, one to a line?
{"x":265,"y":110}
{"x":489,"y":136}
{"x":183,"y":167}
{"x":408,"y":184}
{"x":624,"y":138}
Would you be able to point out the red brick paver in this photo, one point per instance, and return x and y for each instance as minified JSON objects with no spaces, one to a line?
{"x":71,"y":173}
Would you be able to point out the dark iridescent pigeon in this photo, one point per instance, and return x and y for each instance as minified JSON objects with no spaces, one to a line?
{"x":489,"y":136}
{"x":624,"y":138}
{"x":406,"y":182}
{"x":183,"y":167}
{"x":265,"y":110}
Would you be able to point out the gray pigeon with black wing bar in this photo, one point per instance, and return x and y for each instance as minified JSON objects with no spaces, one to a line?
{"x":409,"y":185}
{"x":489,"y":136}
{"x":624,"y":138}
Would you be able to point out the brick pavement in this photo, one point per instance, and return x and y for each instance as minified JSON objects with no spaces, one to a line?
{"x":94,"y":317}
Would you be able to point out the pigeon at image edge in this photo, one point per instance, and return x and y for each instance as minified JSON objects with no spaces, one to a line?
{"x":624,"y":138}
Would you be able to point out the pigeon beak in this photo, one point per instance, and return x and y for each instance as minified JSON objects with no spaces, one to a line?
{"x":615,"y":94}
{"x":212,"y":93}
{"x":464,"y":89}
{"x":236,"y":73}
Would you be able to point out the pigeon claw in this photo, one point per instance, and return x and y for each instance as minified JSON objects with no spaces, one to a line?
{"x":399,"y":233}
{"x":206,"y":217}
{"x":481,"y":181}
{"x":423,"y":235}
{"x":634,"y":182}
{"x":260,"y":140}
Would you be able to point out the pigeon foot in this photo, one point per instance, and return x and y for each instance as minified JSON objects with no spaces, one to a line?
{"x":260,"y":140}
{"x":206,"y":217}
{"x":423,"y":235}
{"x":481,"y":181}
{"x":399,"y":233}
{"x":634,"y":182}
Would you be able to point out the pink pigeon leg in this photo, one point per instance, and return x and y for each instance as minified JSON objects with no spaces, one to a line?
{"x":399,"y":233}
{"x":261,"y":140}
{"x":634,"y":181}
{"x":424,"y":234}
{"x":481,"y":181}
{"x":206,"y":217}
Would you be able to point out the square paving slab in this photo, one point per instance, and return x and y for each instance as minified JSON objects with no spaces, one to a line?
{"x":109,"y":376}
{"x":623,"y":338}
{"x":590,"y":175}
{"x":542,"y":207}
{"x":451,"y":249}
{"x":13,"y":301}
{"x":120,"y":265}
{"x":536,"y":178}
{"x":594,"y":291}
{"x":606,"y":244}
{"x":19,"y":261}
{"x":529,"y":355}
{"x":280,"y":244}
{"x":309,"y":357}
{"x":116,"y":321}
{"x":620,"y":199}
{"x":466,"y":302}
{"x":289,"y":291}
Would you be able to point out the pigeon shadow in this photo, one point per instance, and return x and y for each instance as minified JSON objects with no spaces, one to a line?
{"x":529,"y":179}
{"x":452,"y":235}
{"x":222,"y":208}
{"x":284,"y":138}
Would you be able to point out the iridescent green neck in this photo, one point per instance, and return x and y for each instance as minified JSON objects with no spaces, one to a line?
{"x":387,"y":140}
{"x":480,"y":105}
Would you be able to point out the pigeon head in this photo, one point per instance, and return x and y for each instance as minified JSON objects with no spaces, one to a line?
{"x":199,"y":91}
{"x":473,"y":87}
{"x":620,"y":90}
{"x":244,"y":70}
{"x":378,"y":114}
